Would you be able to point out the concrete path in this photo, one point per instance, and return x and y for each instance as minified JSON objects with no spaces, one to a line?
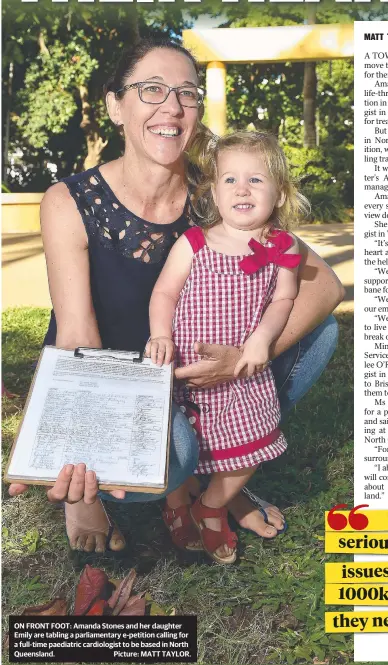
{"x":334,"y":242}
{"x":25,"y":278}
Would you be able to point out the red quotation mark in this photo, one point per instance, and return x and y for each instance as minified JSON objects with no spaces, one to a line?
{"x":337,"y":521}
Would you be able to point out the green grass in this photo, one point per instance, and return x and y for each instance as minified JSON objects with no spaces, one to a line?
{"x":269,"y":607}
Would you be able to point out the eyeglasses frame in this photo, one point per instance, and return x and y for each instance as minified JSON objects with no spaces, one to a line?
{"x":175,"y":89}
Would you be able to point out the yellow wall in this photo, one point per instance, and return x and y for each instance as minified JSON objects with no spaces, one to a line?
{"x":20,"y":213}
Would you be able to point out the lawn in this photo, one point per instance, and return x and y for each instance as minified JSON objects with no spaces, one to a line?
{"x":268,"y":608}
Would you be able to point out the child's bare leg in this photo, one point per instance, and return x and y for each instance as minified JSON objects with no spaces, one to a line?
{"x":193,"y":486}
{"x":246,"y":514}
{"x":177,"y":498}
{"x":223,"y":487}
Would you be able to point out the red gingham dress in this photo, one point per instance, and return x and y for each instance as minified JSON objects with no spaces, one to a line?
{"x":236,"y":422}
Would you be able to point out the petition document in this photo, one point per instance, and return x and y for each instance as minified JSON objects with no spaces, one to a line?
{"x":106,"y":411}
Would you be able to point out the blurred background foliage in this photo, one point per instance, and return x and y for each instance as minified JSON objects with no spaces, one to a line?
{"x":56,"y":59}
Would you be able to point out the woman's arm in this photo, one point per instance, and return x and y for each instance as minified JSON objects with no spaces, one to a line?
{"x":66,"y":249}
{"x":320,"y":291}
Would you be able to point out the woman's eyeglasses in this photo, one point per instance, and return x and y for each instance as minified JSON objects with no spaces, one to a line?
{"x":151,"y":92}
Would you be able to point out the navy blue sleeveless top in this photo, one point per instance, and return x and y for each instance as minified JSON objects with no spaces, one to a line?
{"x":126,"y":255}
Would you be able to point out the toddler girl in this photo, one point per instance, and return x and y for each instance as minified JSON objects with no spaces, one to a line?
{"x":233,"y":283}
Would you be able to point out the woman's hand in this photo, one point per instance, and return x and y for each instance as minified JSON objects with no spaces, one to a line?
{"x":73,"y":484}
{"x":160,"y":349}
{"x":216,"y":366}
{"x":255,"y":356}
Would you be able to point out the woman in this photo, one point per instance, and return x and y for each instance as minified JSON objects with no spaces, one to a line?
{"x":106,"y":235}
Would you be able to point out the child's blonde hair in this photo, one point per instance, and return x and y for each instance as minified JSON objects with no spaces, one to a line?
{"x":295,"y":206}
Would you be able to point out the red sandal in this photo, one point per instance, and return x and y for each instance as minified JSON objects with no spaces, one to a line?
{"x":186,"y":533}
{"x":212,"y":540}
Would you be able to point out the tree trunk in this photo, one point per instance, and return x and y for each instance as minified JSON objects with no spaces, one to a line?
{"x":132,"y":15}
{"x":94,"y":142}
{"x":309,"y":105}
{"x":310,"y":94}
{"x":42,"y":44}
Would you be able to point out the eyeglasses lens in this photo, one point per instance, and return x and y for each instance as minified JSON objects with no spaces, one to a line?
{"x":157,"y":93}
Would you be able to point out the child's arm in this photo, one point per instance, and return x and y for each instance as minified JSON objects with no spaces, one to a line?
{"x":163,"y":301}
{"x":256,"y":349}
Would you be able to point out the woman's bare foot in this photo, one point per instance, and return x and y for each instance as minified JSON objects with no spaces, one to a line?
{"x":87,"y":527}
{"x":248,"y":517}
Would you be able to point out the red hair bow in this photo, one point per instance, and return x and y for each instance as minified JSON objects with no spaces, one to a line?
{"x":262,"y":255}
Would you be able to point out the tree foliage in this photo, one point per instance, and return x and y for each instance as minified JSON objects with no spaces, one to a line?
{"x":56,"y":58}
{"x":61,"y":56}
{"x":50,"y":90}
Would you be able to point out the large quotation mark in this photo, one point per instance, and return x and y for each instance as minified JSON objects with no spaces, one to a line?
{"x":337,"y":521}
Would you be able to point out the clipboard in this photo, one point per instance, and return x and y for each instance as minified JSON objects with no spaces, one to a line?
{"x":84,"y":354}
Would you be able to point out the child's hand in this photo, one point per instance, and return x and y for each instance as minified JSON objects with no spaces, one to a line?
{"x":160,"y":350}
{"x":255,"y":356}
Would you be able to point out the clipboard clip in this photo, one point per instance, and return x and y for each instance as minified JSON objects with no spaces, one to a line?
{"x":85,"y":352}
